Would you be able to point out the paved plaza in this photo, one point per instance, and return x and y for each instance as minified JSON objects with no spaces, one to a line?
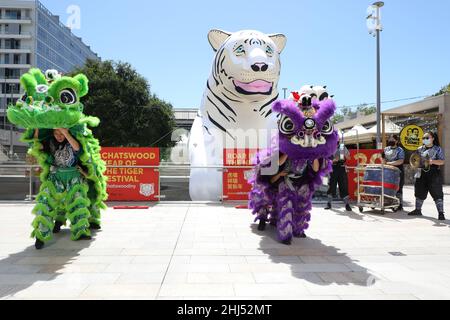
{"x":215,"y":252}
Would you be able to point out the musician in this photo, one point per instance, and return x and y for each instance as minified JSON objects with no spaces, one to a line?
{"x":339,"y":176}
{"x":394,"y":156}
{"x":428,"y":177}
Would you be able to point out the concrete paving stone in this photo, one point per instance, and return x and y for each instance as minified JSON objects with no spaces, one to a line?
{"x":135,"y":268}
{"x":121,"y":291}
{"x":272,"y":259}
{"x":214,"y":252}
{"x":197,"y":290}
{"x":147,"y":252}
{"x":199,"y":267}
{"x":67,"y":269}
{"x":286,"y":278}
{"x":51,"y":291}
{"x":141,"y":278}
{"x":217,"y":259}
{"x":156,"y":259}
{"x":220,"y":278}
{"x":79,"y":279}
{"x":23,"y":279}
{"x":270,"y":290}
{"x":176,"y":278}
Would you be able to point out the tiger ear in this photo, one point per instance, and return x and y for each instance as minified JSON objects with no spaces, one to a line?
{"x":280,"y":41}
{"x":217,"y":38}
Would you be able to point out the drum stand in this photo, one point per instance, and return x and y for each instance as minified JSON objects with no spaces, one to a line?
{"x":380,"y":201}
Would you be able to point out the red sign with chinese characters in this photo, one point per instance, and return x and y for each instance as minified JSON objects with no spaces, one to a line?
{"x":366,"y":157}
{"x":134,"y":183}
{"x":235,"y":184}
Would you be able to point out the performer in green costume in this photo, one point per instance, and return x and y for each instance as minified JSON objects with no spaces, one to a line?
{"x":73,"y":185}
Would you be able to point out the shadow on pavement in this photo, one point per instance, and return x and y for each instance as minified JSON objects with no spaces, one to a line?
{"x":403,"y":215}
{"x":22,"y":270}
{"x":320,"y":264}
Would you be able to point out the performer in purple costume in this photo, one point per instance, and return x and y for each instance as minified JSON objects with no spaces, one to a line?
{"x":306,"y":142}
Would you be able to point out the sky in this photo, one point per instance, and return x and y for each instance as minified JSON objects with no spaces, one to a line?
{"x":328,"y":43}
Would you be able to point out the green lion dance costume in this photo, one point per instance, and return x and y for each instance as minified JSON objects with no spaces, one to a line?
{"x":73,"y":185}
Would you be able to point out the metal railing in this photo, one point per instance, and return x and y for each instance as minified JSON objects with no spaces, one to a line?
{"x":4,"y":17}
{"x":29,"y":171}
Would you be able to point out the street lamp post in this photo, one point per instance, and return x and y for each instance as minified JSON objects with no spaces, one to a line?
{"x":375,"y":28}
{"x":285,"y":92}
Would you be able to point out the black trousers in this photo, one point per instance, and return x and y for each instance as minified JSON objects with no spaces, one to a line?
{"x":402,"y":179}
{"x":338,"y":177}
{"x":430,"y":182}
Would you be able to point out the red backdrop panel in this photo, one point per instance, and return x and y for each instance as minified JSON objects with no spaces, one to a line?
{"x":366,"y":157}
{"x":132,"y":184}
{"x":235,"y":185}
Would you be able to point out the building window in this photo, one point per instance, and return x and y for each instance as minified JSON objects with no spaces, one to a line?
{"x":13,"y":14}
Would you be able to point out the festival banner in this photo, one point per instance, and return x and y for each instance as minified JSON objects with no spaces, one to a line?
{"x":366,"y":157}
{"x":132,"y":184}
{"x":235,"y":180}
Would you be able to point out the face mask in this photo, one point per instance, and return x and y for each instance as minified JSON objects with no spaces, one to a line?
{"x":392,"y":143}
{"x":427,"y":142}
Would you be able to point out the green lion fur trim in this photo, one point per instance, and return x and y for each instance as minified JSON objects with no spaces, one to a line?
{"x":51,"y":103}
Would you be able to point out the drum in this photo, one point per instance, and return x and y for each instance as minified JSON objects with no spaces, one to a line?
{"x":373,"y":180}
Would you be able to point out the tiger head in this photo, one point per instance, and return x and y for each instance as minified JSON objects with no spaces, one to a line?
{"x":247,"y":62}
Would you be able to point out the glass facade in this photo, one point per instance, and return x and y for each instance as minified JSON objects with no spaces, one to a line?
{"x":57,"y":48}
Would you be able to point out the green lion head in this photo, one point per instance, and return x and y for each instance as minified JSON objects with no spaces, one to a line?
{"x":50,"y":101}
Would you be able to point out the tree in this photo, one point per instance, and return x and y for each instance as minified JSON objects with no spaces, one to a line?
{"x":130,"y":115}
{"x":367,"y":110}
{"x":443,"y":90}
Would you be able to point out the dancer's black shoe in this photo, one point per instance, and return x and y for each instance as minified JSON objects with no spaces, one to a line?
{"x":328,"y":207}
{"x":39,"y":244}
{"x":441,"y":216}
{"x":94,"y":226}
{"x":348,"y":208}
{"x":57,"y":227}
{"x":415,"y":213}
{"x":287,"y":242}
{"x":301,"y":236}
{"x":262,"y":225}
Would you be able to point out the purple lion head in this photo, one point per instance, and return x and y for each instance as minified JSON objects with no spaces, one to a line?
{"x":307,"y":138}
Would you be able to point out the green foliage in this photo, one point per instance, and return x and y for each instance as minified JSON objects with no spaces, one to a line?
{"x":366,"y":109}
{"x":130,"y":115}
{"x":347,"y":112}
{"x":445,"y":89}
{"x":337,"y":118}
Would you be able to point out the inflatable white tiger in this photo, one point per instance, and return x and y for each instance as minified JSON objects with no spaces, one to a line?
{"x":240,"y":92}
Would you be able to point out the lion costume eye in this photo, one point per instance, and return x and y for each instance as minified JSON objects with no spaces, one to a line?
{"x":286,"y":126}
{"x":328,"y":128}
{"x":68,"y":96}
{"x":269,"y":51}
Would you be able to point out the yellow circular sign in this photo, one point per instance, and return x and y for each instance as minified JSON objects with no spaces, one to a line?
{"x":411,"y":137}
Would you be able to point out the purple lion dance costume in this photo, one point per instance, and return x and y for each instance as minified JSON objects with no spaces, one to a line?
{"x":308,"y":139}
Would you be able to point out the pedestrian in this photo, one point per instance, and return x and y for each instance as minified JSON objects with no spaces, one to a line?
{"x":428,"y":176}
{"x":394,"y":156}
{"x":339,"y":177}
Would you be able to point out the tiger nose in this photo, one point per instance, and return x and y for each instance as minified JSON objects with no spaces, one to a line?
{"x":257,"y":67}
